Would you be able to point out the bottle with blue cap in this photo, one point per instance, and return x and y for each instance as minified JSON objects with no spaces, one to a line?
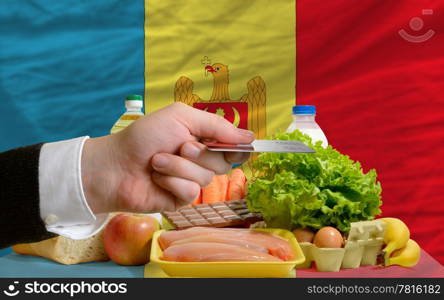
{"x":134,"y":105}
{"x":304,"y":121}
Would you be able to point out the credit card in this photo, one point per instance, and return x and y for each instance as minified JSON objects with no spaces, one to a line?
{"x":261,"y":146}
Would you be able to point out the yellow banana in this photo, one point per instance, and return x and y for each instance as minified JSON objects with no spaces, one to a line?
{"x":407,"y":256}
{"x":395,"y":237}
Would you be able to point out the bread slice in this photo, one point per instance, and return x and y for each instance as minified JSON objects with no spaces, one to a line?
{"x":65,"y":250}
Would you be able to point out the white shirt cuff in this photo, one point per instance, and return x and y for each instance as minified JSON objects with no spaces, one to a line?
{"x":63,"y":206}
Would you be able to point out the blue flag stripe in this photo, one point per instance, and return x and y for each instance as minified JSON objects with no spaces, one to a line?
{"x":66,"y":67}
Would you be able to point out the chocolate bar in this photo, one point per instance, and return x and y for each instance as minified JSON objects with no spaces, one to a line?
{"x":220,"y":214}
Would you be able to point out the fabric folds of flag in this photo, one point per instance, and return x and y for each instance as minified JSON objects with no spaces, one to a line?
{"x":66,"y":67}
{"x":375,"y":71}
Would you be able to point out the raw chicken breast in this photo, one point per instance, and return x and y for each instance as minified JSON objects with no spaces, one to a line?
{"x":168,"y":237}
{"x":198,"y":252}
{"x":220,"y":239}
{"x":251,"y":239}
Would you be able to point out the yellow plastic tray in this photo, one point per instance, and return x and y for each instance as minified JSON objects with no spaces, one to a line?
{"x":153,"y":270}
{"x":234,"y":269}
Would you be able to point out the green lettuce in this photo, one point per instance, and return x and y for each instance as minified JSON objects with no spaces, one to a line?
{"x":312,"y":190}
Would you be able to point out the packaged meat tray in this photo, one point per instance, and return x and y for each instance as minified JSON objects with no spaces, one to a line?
{"x":235,"y":269}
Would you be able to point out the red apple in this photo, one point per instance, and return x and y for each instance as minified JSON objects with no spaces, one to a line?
{"x":127,"y":238}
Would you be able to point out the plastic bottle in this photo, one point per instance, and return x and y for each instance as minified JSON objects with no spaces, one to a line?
{"x":134,"y":105}
{"x":304,"y":121}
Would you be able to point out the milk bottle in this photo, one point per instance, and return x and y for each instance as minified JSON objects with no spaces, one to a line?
{"x":304,"y":121}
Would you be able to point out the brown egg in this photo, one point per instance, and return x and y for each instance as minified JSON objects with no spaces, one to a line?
{"x":328,"y":237}
{"x":303,"y":235}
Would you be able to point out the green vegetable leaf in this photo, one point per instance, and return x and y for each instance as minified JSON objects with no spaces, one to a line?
{"x":312,"y":190}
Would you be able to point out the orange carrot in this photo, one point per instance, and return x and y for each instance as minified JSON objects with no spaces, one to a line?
{"x":198,"y":199}
{"x":223,"y":181}
{"x":236,"y":186}
{"x":216,"y":191}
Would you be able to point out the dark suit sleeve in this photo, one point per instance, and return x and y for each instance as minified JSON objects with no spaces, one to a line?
{"x":20,"y":220}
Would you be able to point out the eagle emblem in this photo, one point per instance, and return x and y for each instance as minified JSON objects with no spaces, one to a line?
{"x":248,"y":112}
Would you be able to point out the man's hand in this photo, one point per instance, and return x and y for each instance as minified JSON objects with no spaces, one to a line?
{"x":157,"y":163}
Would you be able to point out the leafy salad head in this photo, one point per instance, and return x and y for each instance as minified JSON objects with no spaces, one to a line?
{"x":314,"y":190}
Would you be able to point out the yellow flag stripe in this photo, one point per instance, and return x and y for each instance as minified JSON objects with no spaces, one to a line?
{"x":252,"y":37}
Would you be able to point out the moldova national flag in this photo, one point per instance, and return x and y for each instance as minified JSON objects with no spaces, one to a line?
{"x":373,"y":68}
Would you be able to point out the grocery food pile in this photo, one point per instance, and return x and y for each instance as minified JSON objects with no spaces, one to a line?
{"x":297,"y":210}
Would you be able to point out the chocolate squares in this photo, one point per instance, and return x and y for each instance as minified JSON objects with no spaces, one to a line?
{"x":220,"y":214}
